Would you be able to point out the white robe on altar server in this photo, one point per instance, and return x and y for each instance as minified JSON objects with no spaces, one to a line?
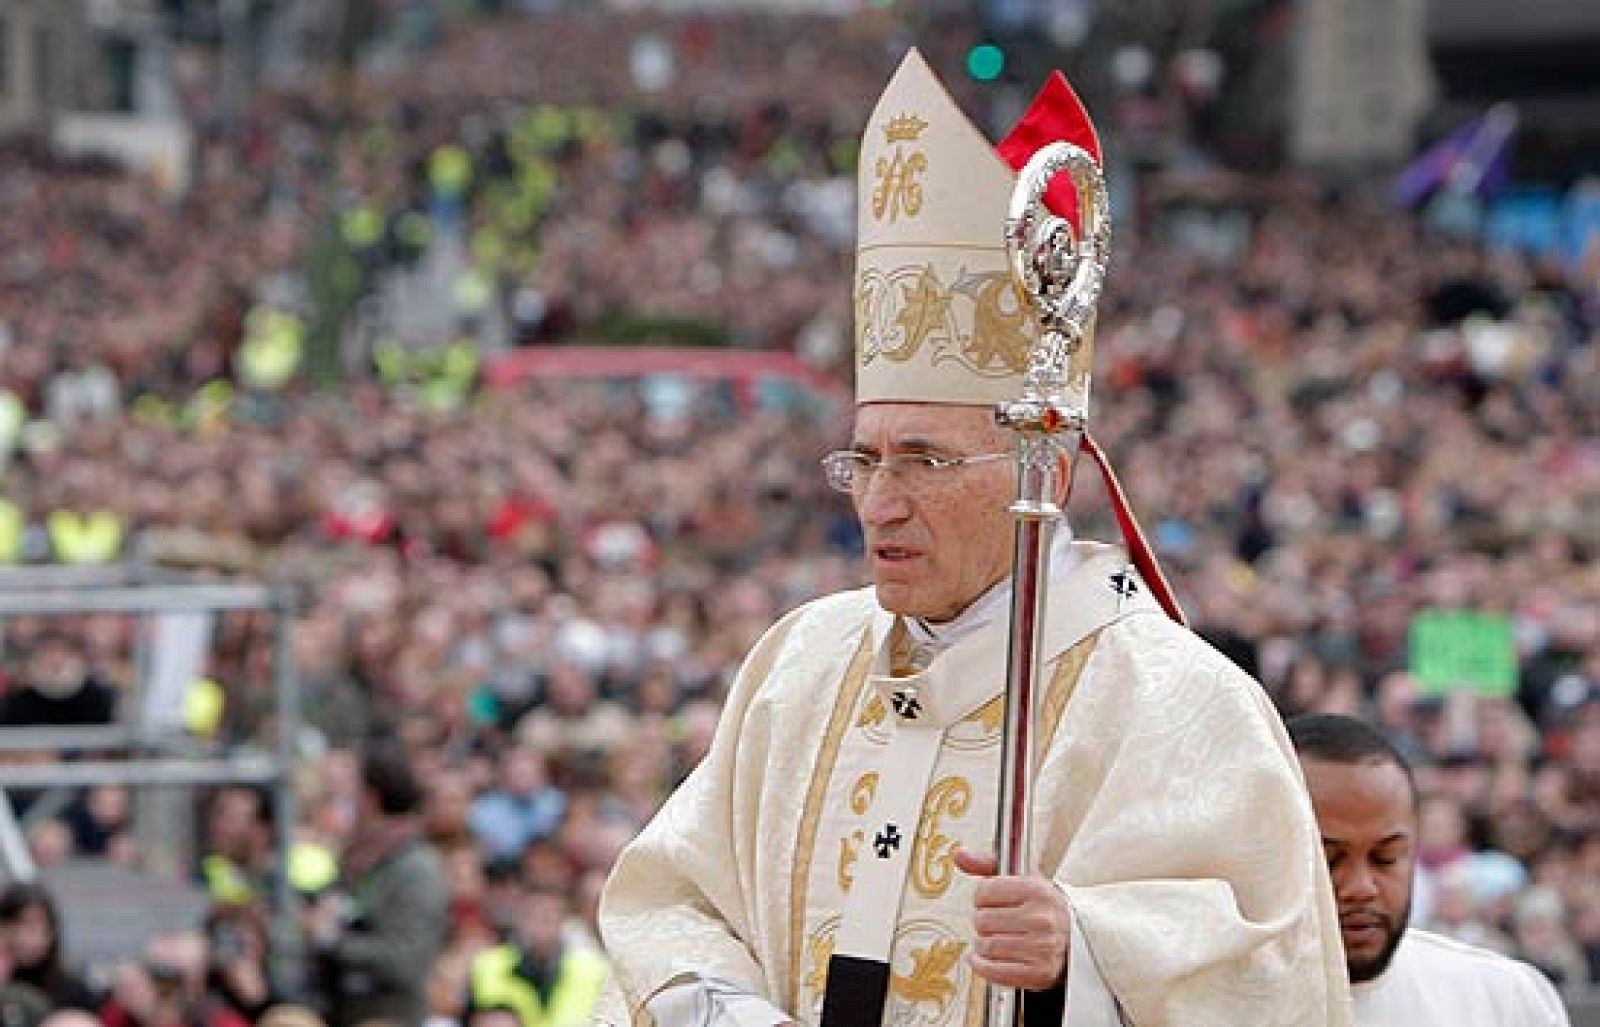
{"x":1439,"y":982}
{"x":1168,"y":807}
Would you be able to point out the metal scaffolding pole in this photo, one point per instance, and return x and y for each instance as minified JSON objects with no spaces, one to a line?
{"x":146,"y":756}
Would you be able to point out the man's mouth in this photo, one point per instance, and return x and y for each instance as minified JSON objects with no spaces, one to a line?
{"x":893,"y":554}
{"x":1363,"y":926}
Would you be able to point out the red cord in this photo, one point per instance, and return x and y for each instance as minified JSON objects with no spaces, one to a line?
{"x":1144,"y":557}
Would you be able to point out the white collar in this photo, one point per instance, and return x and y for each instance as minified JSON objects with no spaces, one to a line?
{"x":929,"y":640}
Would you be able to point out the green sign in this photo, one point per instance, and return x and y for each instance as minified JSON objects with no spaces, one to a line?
{"x":1452,"y":649}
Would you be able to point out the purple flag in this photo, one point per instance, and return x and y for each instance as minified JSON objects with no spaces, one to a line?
{"x":1474,"y":159}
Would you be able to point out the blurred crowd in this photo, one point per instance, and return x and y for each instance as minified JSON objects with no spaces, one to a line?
{"x":542,"y":591}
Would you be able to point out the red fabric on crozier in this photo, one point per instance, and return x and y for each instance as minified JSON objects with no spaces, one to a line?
{"x":1056,"y":114}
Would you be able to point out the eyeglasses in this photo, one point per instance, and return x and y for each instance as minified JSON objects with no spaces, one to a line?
{"x":851,"y":472}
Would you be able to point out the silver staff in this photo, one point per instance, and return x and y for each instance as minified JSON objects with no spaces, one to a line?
{"x":1061,"y":273}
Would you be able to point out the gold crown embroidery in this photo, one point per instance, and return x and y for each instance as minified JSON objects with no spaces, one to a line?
{"x":904,"y":128}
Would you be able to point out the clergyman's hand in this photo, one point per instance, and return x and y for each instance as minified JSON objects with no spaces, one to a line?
{"x":1022,"y":924}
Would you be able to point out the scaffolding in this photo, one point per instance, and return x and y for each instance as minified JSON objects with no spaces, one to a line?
{"x":134,"y":752}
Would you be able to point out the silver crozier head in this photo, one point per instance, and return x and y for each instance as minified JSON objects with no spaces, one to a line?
{"x":1060,"y":271}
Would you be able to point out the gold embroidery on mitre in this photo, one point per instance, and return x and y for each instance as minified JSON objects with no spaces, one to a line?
{"x":933,"y":856}
{"x":981,"y":322}
{"x":924,"y":310}
{"x":904,"y":128}
{"x":932,"y":978}
{"x":899,"y":188}
{"x":899,"y":311}
{"x":1002,"y":323}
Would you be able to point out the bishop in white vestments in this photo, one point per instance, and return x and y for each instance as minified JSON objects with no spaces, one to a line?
{"x":828,"y":862}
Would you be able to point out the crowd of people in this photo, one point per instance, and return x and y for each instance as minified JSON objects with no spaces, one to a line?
{"x":543,"y":591}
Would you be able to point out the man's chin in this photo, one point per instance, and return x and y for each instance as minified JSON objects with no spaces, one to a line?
{"x":896,"y":597}
{"x":1372,"y":967}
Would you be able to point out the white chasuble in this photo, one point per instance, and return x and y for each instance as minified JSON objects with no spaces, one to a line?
{"x":1167,"y":806}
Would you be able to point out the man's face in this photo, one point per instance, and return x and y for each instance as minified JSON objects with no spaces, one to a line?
{"x":934,"y":550}
{"x":540,"y":916}
{"x":1368,"y":821}
{"x":234,"y":823}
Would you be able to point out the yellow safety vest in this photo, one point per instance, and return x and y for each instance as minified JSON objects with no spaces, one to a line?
{"x":312,"y":868}
{"x":495,"y":985}
{"x":361,"y":226}
{"x":96,"y":538}
{"x":208,"y":406}
{"x":270,"y":353}
{"x":227,"y":884}
{"x":13,"y":415}
{"x":13,"y":531}
{"x":450,"y":170}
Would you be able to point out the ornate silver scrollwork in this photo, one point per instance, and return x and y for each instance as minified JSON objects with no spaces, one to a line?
{"x":1060,"y":272}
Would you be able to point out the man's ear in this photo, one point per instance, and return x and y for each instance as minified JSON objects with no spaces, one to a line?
{"x":1063,"y":476}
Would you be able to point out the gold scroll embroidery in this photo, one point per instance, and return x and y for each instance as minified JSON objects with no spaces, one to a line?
{"x":861,"y":794}
{"x":978,"y":320}
{"x":1002,"y":328}
{"x":933,"y":857}
{"x":934,"y":977}
{"x":924,"y":309}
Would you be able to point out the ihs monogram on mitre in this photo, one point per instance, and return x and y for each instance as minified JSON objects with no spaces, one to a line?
{"x":939,"y":316}
{"x":909,"y":306}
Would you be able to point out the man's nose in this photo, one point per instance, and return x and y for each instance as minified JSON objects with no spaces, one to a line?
{"x":1357,"y":884}
{"x":881,"y":500}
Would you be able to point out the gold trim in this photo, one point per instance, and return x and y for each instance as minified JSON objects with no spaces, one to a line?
{"x":980,"y":319}
{"x":977,"y":1002}
{"x":855,"y":679}
{"x":920,"y":246}
{"x":820,"y":947}
{"x":979,"y":729}
{"x":1062,"y":684}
